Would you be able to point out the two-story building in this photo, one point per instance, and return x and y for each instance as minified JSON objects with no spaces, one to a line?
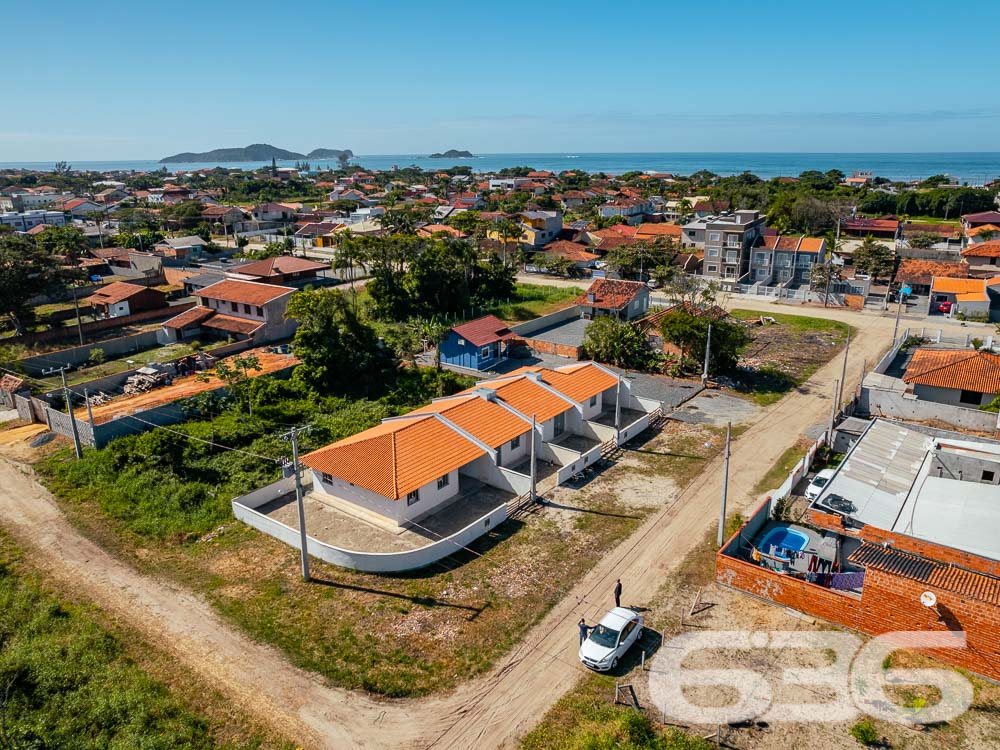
{"x":785,"y":260}
{"x":728,"y":240}
{"x":238,"y":309}
{"x":22,"y":221}
{"x":632,"y":210}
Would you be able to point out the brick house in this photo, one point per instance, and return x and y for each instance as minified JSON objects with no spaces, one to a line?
{"x":121,"y":298}
{"x":235,"y":309}
{"x":907,"y":513}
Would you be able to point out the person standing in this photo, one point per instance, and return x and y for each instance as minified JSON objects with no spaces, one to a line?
{"x":618,"y":592}
{"x":584,"y":630}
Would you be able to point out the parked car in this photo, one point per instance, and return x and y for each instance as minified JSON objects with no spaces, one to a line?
{"x":818,"y":483}
{"x":944,"y":307}
{"x":610,"y":639}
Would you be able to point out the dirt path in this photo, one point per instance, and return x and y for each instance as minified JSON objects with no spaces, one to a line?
{"x":488,"y":712}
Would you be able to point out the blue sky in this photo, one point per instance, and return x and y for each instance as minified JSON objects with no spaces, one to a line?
{"x":116,"y":80}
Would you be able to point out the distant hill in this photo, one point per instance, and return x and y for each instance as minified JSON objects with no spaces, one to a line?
{"x":328,"y":153}
{"x":452,"y":154}
{"x":253,"y":152}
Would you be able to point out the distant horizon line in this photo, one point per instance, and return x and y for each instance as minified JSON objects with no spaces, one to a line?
{"x":413,"y":154}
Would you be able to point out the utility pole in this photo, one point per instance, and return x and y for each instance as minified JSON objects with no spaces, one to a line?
{"x":899,"y":307}
{"x":79,"y":323}
{"x":618,"y":405}
{"x":90,"y":412}
{"x":843,"y":370}
{"x":533,"y":474}
{"x":708,"y":349}
{"x":833,"y":411}
{"x":725,"y":485}
{"x":69,"y":406}
{"x":293,"y":435}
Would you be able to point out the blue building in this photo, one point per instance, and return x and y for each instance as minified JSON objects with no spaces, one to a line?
{"x":477,"y":345}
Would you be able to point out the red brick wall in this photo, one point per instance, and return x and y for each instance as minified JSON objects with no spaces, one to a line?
{"x":888,"y":603}
{"x":548,"y":347}
{"x":856,"y":301}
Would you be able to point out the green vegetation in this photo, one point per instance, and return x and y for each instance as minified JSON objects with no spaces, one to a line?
{"x":29,"y":269}
{"x":689,"y":333}
{"x":532,"y":301}
{"x":67,"y":682}
{"x":866,"y":733}
{"x":586,"y":719}
{"x":102,"y":368}
{"x":781,"y":468}
{"x":617,"y":342}
{"x":163,"y":485}
{"x":790,"y":351}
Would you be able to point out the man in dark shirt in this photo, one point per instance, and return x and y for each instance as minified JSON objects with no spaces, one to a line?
{"x":584,"y":629}
{"x":618,"y":592}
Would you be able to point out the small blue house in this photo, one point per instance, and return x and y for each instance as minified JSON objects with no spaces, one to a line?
{"x":477,"y":345}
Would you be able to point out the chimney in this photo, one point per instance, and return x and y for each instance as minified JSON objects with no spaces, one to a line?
{"x":591,"y":297}
{"x":487,"y":394}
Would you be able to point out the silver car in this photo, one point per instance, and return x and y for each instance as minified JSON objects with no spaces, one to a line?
{"x":610,"y":639}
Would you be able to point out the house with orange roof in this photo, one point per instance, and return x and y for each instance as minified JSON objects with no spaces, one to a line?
{"x":973,"y":297}
{"x":958,"y":377}
{"x":785,"y":259}
{"x":493,"y":434}
{"x":237,"y":309}
{"x":622,"y":299}
{"x":983,"y":256}
{"x":982,"y":233}
{"x":652,"y":232}
{"x":121,"y":298}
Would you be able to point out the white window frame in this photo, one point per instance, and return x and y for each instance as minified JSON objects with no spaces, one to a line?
{"x":713,"y":252}
{"x":485,"y":353}
{"x":715,"y":236}
{"x":712,"y":268}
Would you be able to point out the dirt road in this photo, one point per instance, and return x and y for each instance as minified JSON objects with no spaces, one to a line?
{"x":488,"y":712}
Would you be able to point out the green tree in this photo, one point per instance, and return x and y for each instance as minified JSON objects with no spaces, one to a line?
{"x":272,"y":249}
{"x":874,"y":258}
{"x":26,"y":271}
{"x":557,"y":265}
{"x":340,"y":353}
{"x":68,"y":242}
{"x":689,"y":333}
{"x":235,"y":373}
{"x":617,"y":342}
{"x":922,"y":240}
{"x":822,"y":276}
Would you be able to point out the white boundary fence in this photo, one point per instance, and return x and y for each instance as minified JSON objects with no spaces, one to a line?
{"x":245,"y":509}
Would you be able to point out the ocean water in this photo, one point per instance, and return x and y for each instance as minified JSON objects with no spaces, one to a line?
{"x":973,"y":168}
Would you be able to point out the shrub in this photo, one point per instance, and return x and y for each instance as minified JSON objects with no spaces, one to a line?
{"x":865,"y":733}
{"x":96,"y":355}
{"x":977,"y":344}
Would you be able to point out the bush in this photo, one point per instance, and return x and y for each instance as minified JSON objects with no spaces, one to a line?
{"x":96,"y":355}
{"x":865,"y":733}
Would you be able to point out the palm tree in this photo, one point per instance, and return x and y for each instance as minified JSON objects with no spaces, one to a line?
{"x":507,"y":229}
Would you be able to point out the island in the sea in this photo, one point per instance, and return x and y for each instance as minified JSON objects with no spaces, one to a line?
{"x":452,"y":154}
{"x":253,"y":152}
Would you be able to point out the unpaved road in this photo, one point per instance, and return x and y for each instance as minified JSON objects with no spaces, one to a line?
{"x":492,"y":711}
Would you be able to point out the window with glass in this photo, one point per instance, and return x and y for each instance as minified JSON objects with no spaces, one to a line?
{"x":412,"y":497}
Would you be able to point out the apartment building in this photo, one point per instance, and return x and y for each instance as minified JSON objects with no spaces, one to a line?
{"x":785,"y":260}
{"x":728,"y":240}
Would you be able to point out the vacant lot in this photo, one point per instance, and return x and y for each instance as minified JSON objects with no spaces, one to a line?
{"x":784,"y":354}
{"x":162,"y":502}
{"x":123,"y":363}
{"x":534,"y":300}
{"x":68,"y":681}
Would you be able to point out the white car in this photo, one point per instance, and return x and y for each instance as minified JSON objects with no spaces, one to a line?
{"x":818,"y":483}
{"x":610,"y":639}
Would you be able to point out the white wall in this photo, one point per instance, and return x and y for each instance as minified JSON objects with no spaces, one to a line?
{"x":950,"y":396}
{"x":509,"y":456}
{"x":431,"y":498}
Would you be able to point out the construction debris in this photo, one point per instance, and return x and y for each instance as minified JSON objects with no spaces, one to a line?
{"x":146,"y":379}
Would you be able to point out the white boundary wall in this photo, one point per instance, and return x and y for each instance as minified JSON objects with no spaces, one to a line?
{"x":245,"y":509}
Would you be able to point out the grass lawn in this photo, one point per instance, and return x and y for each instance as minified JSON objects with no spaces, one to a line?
{"x":121,"y":364}
{"x":69,"y":681}
{"x":777,"y":474}
{"x":784,"y":355}
{"x":533,"y":301}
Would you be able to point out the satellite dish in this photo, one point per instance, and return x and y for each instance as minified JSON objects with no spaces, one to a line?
{"x":928,"y":599}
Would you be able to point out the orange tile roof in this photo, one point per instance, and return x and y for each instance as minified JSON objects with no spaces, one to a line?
{"x":190,"y":316}
{"x":249,"y":292}
{"x":230,"y":324}
{"x":528,"y":397}
{"x":485,"y":330}
{"x":957,"y":286}
{"x":611,"y":294}
{"x":920,"y":271}
{"x":651,"y":231}
{"x":484,"y":420}
{"x":573,"y":251}
{"x":964,"y":369}
{"x":579,"y":382}
{"x":117,"y":292}
{"x":396,"y":457}
{"x":983,"y":228}
{"x":280,"y":265}
{"x":989,"y":249}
